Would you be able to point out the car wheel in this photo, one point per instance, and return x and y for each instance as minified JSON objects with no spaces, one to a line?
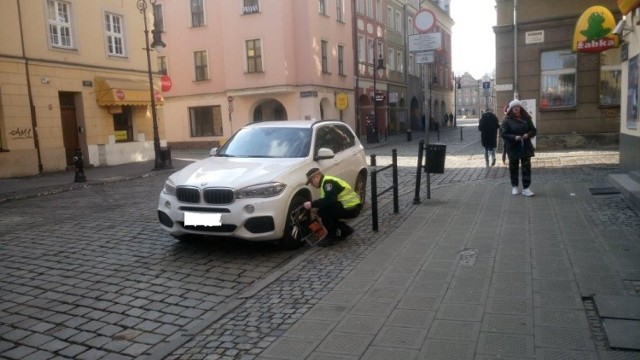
{"x":361,"y":187}
{"x":288,"y":240}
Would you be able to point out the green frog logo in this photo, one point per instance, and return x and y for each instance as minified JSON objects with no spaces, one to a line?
{"x":594,"y":29}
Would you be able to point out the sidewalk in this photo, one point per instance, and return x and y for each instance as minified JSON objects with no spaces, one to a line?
{"x":477,"y":273}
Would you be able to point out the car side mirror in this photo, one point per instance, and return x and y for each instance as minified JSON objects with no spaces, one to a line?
{"x":213,"y":151}
{"x":324,"y":154}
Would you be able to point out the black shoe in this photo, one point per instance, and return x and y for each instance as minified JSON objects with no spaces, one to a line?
{"x":493,"y":162}
{"x":345,"y":231}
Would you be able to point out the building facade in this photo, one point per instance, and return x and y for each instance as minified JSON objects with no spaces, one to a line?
{"x":576,"y":95}
{"x":232,"y":72}
{"x":73,"y":75}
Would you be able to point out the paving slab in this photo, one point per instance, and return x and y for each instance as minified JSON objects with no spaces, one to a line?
{"x":622,"y":334}
{"x":619,"y":307}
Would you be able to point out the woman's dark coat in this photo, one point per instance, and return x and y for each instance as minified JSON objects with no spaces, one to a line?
{"x":488,"y":126}
{"x":511,"y":128}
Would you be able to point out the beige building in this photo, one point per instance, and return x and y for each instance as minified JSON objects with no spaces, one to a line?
{"x":73,"y":75}
{"x":252,"y":60}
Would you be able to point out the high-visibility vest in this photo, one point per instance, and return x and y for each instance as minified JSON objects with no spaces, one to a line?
{"x":347,"y":197}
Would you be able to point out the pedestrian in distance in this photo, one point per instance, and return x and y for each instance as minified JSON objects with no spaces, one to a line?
{"x":488,"y":127}
{"x":337,"y":201}
{"x":450,"y":119}
{"x":517,"y":130}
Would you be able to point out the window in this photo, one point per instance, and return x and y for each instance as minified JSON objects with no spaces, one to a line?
{"x":341,"y":60}
{"x":325,"y":55}
{"x":371,"y":52}
{"x":340,"y":10}
{"x":60,"y":24}
{"x":362,"y":51}
{"x":254,"y":56}
{"x":322,"y":7}
{"x":250,"y":7}
{"x":410,"y":28}
{"x":122,"y":125}
{"x":200,"y":65}
{"x":399,"y":61}
{"x":398,"y":21}
{"x":114,"y":34}
{"x":197,"y":13}
{"x":205,"y":121}
{"x":610,"y":77}
{"x":162,"y":65}
{"x":379,"y":10}
{"x":390,"y":21}
{"x":391,"y":60}
{"x":158,"y":18}
{"x":360,"y":6}
{"x":369,"y":8}
{"x":558,"y":79}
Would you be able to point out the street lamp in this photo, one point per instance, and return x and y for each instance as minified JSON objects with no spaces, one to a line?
{"x":158,"y":46}
{"x":456,"y":79}
{"x":378,"y":71}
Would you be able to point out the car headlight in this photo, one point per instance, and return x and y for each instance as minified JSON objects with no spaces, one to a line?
{"x":261,"y":191}
{"x":169,"y":188}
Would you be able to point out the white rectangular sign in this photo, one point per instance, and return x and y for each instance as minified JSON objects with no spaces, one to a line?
{"x":425,"y":42}
{"x":426,"y":57}
{"x":503,"y":87}
{"x":534,"y":37}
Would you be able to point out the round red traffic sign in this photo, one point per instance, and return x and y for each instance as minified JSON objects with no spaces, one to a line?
{"x":165,"y":83}
{"x":120,"y":94}
{"x":424,"y":21}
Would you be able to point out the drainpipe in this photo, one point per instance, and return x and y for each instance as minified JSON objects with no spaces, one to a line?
{"x":356,"y":69}
{"x":34,"y":120}
{"x":515,"y":49}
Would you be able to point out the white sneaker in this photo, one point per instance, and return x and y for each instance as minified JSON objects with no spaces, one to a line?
{"x":527,"y":192}
{"x":514,"y":191}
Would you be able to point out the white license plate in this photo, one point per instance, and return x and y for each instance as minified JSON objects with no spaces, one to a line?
{"x":202,"y":219}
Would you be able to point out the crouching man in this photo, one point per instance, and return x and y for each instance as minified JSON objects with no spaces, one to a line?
{"x":337,"y":201}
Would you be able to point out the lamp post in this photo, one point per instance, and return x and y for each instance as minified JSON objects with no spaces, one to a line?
{"x":378,"y":67}
{"x":158,"y":45}
{"x":456,"y":79}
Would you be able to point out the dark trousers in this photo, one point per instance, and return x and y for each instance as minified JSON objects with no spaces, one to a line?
{"x":331,"y":214}
{"x":525,"y":164}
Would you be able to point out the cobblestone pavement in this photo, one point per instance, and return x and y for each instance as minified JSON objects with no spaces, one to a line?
{"x":88,"y":274}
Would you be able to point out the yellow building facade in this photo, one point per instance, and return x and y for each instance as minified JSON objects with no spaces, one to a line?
{"x":74,"y":75}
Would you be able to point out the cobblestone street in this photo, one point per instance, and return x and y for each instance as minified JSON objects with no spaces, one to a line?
{"x":89,"y":274}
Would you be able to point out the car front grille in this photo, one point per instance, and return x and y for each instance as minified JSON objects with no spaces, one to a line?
{"x":218,"y":196}
{"x":215,"y":196}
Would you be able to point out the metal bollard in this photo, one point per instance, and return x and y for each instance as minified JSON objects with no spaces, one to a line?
{"x":461,"y":133}
{"x":79,"y":167}
{"x":409,"y":135}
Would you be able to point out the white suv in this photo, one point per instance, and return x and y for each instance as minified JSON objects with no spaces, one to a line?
{"x":249,"y":186}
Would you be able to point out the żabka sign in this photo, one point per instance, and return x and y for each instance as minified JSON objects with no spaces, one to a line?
{"x":594,"y":31}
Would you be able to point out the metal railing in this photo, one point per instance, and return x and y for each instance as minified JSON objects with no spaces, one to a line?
{"x":374,"y":187}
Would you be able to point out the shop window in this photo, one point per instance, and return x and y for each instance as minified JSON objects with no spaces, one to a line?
{"x":205,"y":121}
{"x":123,"y":125}
{"x":558,"y":79}
{"x":610,"y":77}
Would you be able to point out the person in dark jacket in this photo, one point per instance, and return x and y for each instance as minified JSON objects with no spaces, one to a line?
{"x":337,"y":201}
{"x":488,"y":127}
{"x":517,"y":131}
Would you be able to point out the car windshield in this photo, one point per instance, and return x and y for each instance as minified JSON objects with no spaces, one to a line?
{"x":268,"y":142}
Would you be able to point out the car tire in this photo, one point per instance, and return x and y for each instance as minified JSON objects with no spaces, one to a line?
{"x":361,"y":187}
{"x":288,"y":242}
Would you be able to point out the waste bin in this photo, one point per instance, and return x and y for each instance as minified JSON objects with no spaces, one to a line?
{"x":435,"y":158}
{"x":165,"y":157}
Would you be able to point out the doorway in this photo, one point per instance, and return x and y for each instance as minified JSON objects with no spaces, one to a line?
{"x":69,"y":125}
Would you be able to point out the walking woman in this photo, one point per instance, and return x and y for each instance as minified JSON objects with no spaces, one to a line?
{"x":517,"y":130}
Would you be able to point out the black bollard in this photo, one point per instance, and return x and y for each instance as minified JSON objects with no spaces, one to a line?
{"x":79,"y":165}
